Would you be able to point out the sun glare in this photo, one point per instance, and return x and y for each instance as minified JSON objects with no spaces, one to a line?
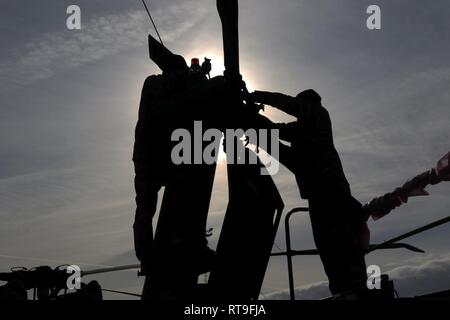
{"x":218,"y":65}
{"x":217,"y":70}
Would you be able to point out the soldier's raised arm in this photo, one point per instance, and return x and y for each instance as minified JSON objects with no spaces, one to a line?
{"x":283,"y":102}
{"x":287,"y":131}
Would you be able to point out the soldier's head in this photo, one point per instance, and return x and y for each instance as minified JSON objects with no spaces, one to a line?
{"x":311,"y":96}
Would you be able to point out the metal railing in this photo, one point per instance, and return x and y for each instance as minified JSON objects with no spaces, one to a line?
{"x":389,"y":244}
{"x":290,"y":253}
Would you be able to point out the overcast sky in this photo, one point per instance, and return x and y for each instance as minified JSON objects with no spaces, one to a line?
{"x":69,"y":102}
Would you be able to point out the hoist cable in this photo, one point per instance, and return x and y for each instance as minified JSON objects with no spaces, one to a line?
{"x":153,"y":22}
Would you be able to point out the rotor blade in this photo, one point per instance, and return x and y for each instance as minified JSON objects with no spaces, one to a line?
{"x":411,"y":233}
{"x":396,"y":246}
{"x":123,"y":292}
{"x":443,"y":168}
{"x":229,"y":16}
{"x":111,"y":269}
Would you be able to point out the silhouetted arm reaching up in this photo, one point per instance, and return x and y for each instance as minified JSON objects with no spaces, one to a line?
{"x":277,"y":100}
{"x":287,"y":131}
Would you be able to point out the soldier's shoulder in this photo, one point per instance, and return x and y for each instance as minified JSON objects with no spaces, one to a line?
{"x":323,"y":109}
{"x":154,"y":85}
{"x":152,"y":79}
{"x":218,"y":79}
{"x":324,"y":113}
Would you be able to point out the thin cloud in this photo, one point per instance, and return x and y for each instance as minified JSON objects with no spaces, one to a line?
{"x":57,"y":52}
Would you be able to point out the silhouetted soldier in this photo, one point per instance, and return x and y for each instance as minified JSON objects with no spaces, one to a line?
{"x":336,"y":217}
{"x":151,"y":155}
{"x":174,"y":100}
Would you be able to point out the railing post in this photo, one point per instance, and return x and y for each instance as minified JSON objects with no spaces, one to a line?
{"x":289,"y":249}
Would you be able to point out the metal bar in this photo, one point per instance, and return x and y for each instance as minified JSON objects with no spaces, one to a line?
{"x":289,"y":250}
{"x":390,"y":244}
{"x":277,"y":223}
{"x":411,"y":233}
{"x":312,"y":252}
